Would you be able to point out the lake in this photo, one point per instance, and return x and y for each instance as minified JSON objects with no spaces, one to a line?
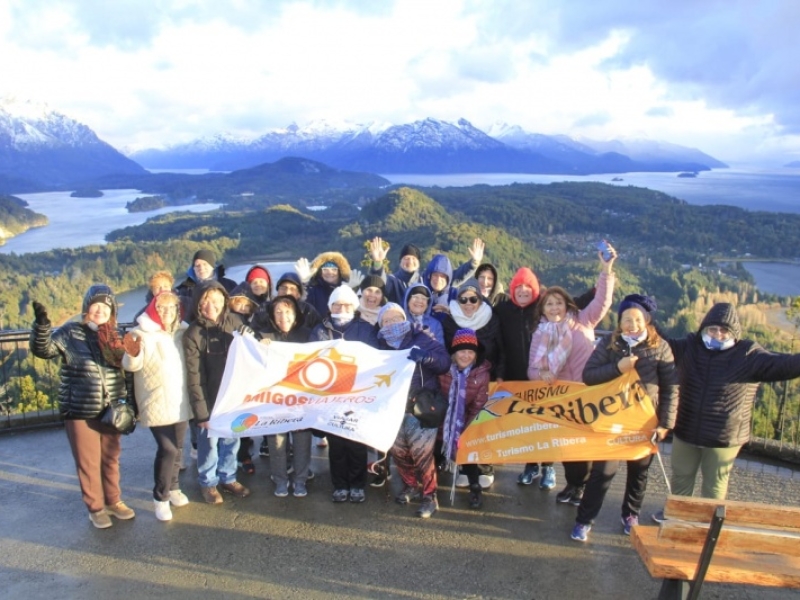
{"x":76,"y":222}
{"x":774,"y":277}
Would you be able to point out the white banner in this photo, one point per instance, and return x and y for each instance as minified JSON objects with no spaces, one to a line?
{"x":345,"y":388}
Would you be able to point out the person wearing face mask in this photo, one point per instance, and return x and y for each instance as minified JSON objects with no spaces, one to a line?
{"x":634,"y":344}
{"x":560,"y":346}
{"x":90,"y":352}
{"x":347,"y":459}
{"x":719,"y":375}
{"x":412,"y":451}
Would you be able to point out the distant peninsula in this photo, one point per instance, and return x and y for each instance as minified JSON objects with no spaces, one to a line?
{"x":86,"y":193}
{"x":16,"y":218}
{"x":146,"y":204}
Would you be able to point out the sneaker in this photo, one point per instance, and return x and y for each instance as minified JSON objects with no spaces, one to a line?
{"x":548,"y":481}
{"x":282,"y":489}
{"x":235,"y":488}
{"x":193,"y":453}
{"x":429,"y":506}
{"x":462,"y":481}
{"x":577,"y":496}
{"x":379,"y":480}
{"x":527,"y":477}
{"x":263,"y":450}
{"x":340,"y":495}
{"x":211,"y":495}
{"x":407,"y":495}
{"x":659,"y":517}
{"x":310,"y":475}
{"x":163,"y":511}
{"x":300,"y":490}
{"x":357,"y":495}
{"x":565,"y":495}
{"x":486,"y":481}
{"x":121,"y":511}
{"x":178,"y":498}
{"x":580,"y":533}
{"x":475,"y":496}
{"x":322,"y":442}
{"x":248,"y":466}
{"x":100,"y":519}
{"x":628,"y":522}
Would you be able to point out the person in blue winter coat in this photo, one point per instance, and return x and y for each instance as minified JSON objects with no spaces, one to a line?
{"x":443,"y":282}
{"x":413,"y":448}
{"x":418,"y":306}
{"x":347,"y":458}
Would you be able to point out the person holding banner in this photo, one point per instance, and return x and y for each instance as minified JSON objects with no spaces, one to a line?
{"x":287,"y":326}
{"x":560,"y":346}
{"x":634,"y":344}
{"x":413,"y":448}
{"x":466,"y":386}
{"x":206,"y":344}
{"x":347,"y":458}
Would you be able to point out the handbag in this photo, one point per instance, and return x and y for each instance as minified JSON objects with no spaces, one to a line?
{"x":429,"y":407}
{"x":119,"y":416}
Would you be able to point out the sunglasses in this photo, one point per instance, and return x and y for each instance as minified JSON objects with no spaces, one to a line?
{"x":469,"y":299}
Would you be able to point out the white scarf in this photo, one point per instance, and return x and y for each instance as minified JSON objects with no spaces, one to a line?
{"x":479,"y":318}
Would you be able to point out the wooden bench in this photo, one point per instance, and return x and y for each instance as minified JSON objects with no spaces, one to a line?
{"x":721,"y":541}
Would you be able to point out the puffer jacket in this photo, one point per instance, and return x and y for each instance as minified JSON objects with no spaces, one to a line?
{"x":490,"y":338}
{"x":83,"y":369}
{"x":267,"y":329}
{"x":426,"y":372}
{"x":718,"y":388}
{"x":205,"y":346}
{"x":159,"y":374}
{"x":477,"y":388}
{"x":655,"y":367}
{"x":318,"y":291}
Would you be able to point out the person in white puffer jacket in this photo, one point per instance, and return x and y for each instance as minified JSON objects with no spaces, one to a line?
{"x":154,"y":353}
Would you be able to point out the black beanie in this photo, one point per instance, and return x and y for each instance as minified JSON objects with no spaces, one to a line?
{"x":410,"y":250}
{"x":373,"y":281}
{"x":206,"y":255}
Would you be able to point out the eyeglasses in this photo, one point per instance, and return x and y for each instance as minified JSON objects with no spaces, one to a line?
{"x":422,"y":297}
{"x":469,"y":299}
{"x":723,"y":332}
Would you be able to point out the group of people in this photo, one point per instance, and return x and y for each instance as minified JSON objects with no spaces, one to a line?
{"x":459,"y":327}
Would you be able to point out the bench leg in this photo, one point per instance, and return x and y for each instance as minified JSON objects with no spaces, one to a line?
{"x":674,"y":589}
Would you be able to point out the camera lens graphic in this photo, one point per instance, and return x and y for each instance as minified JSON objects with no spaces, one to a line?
{"x":318,"y":374}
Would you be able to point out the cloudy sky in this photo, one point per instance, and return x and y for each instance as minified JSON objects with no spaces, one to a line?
{"x":722,"y":76}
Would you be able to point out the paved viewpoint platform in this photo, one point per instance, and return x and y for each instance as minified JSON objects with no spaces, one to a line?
{"x":517,"y":546}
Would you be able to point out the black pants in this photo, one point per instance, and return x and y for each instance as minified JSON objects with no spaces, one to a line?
{"x":600,"y":480}
{"x":473,"y":472}
{"x":348,"y":463}
{"x":245,"y":446}
{"x":577,"y":473}
{"x":167,"y":465}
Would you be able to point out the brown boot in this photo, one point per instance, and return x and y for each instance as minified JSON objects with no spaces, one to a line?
{"x":235,"y":488}
{"x":211,"y":495}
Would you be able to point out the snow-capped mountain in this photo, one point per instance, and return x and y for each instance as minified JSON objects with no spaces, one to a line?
{"x":425,"y":146}
{"x":41,"y":147}
{"x":653,"y":151}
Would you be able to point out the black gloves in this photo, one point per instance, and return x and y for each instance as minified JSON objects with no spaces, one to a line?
{"x":245,"y":330}
{"x":40,"y":313}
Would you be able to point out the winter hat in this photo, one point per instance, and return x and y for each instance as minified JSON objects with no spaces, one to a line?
{"x":647,"y":304}
{"x":723,"y":314}
{"x":470,"y":284}
{"x":464,"y":339}
{"x":206,"y":255}
{"x":390,"y":307}
{"x":102,"y":294}
{"x":410,"y":250}
{"x":373,"y":281}
{"x":163,"y":298}
{"x":343,"y":294}
{"x":258,"y":273}
{"x":524,"y":276}
{"x":291,"y":277}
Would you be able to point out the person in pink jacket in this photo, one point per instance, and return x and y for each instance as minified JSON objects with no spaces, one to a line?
{"x":560,"y":346}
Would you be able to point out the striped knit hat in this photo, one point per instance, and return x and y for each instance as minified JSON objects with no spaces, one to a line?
{"x":464,"y":339}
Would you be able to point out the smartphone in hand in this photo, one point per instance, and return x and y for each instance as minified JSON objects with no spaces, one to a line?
{"x":603,"y":247}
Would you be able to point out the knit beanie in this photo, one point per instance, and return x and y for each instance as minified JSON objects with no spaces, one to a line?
{"x":647,"y":304}
{"x":464,"y":339}
{"x":470,"y":284}
{"x":390,"y":307}
{"x":106,"y":299}
{"x":524,"y":276}
{"x":373,"y":281}
{"x":723,"y":314}
{"x":206,"y":255}
{"x":410,"y":250}
{"x":343,"y":294}
{"x":258,"y":273}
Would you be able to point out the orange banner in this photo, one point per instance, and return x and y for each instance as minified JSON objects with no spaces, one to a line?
{"x":531,"y":421}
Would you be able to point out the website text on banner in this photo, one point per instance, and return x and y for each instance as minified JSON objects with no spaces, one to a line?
{"x":531,"y":421}
{"x":340,"y":387}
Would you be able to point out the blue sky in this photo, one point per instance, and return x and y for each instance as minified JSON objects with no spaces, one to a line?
{"x":720,"y":76}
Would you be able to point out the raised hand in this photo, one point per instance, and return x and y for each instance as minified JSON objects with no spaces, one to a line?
{"x":476,"y":250}
{"x":40,"y":314}
{"x":608,"y":264}
{"x":132,"y":344}
{"x":303,"y":269}
{"x":356,"y":277}
{"x":377,"y":250}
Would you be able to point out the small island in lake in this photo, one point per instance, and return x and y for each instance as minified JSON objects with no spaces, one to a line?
{"x":146,"y":204}
{"x":688,"y":174}
{"x":86,"y":193}
{"x":617,"y":179}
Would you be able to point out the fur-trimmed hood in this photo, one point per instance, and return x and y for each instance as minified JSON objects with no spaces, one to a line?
{"x":334,"y":257}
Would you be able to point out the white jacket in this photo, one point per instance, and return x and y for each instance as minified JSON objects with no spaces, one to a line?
{"x":159,"y":374}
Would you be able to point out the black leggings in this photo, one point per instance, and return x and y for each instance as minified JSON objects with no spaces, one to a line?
{"x":600,"y":478}
{"x":167,"y":465}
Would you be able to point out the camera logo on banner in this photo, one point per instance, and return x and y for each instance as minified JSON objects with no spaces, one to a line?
{"x":324,"y":372}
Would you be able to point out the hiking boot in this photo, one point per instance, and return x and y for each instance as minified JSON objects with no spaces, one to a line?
{"x":407,"y":494}
{"x":235,"y":488}
{"x":628,"y":522}
{"x":577,"y":496}
{"x":485,"y":481}
{"x":300,"y":490}
{"x":527,"y":477}
{"x":380,"y":480}
{"x":357,"y":495}
{"x":163,"y":511}
{"x":282,"y":489}
{"x":211,"y":495}
{"x":580,"y":533}
{"x":178,"y":498}
{"x":100,"y":519}
{"x":121,"y":511}
{"x":340,"y":495}
{"x":548,"y":481}
{"x":429,"y":506}
{"x":475,"y":496}
{"x":659,"y":517}
{"x":565,"y":495}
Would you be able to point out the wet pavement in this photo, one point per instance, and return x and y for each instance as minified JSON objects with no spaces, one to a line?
{"x":516,"y":546}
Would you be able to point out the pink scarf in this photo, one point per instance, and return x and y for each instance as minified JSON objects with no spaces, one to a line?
{"x":556,"y":344}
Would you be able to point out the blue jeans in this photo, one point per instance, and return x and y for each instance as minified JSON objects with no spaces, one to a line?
{"x":216,"y":459}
